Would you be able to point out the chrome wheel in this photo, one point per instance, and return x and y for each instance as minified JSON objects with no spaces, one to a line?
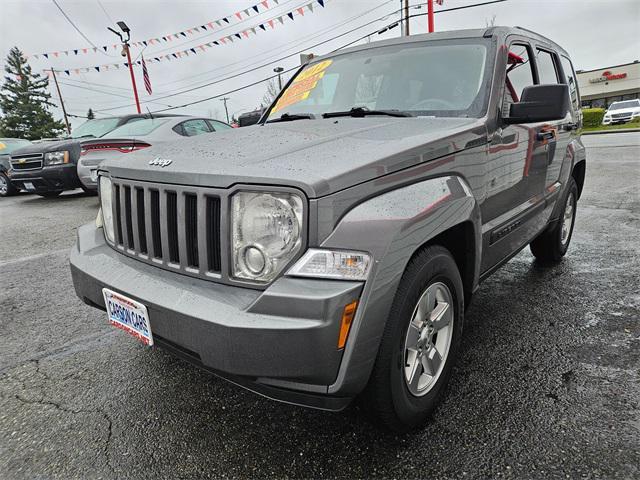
{"x":4,"y":187}
{"x":567,"y":219}
{"x":428,"y":339}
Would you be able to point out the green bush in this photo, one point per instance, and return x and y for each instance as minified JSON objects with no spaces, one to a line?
{"x":592,"y":117}
{"x":635,"y":121}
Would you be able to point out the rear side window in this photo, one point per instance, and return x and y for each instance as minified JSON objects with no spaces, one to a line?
{"x":570,"y":75}
{"x":192,"y":128}
{"x":519,"y":75}
{"x":218,"y":126}
{"x":547,"y":71}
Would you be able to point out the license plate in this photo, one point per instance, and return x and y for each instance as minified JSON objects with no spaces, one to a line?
{"x":29,"y":186}
{"x":128,"y":315}
{"x":94,"y":175}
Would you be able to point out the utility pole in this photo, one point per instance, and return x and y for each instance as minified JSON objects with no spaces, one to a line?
{"x":226,"y":111}
{"x":125,"y":53}
{"x":406,"y":18}
{"x":64,"y":111}
{"x":279,"y":71}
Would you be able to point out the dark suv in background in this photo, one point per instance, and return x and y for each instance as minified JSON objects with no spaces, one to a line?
{"x":49,"y":168}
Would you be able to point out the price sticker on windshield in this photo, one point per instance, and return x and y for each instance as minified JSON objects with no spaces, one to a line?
{"x":302,"y":85}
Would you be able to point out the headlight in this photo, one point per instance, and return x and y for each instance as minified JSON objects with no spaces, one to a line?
{"x":56,"y":158}
{"x":106,"y":205}
{"x":339,"y":265}
{"x":266,"y":233}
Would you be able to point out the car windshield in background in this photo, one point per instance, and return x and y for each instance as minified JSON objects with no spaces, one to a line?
{"x":137,"y":129}
{"x":626,"y":104}
{"x":8,"y":145}
{"x":95,"y":128}
{"x":447,"y":78}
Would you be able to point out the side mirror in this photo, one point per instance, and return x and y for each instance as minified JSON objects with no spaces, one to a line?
{"x":540,"y":103}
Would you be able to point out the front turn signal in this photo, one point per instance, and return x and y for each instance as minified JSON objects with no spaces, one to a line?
{"x":347,"y":319}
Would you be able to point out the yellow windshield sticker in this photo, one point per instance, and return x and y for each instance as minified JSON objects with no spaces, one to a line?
{"x":302,"y":85}
{"x":2,"y":146}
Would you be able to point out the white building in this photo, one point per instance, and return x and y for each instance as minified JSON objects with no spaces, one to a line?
{"x":601,"y":87}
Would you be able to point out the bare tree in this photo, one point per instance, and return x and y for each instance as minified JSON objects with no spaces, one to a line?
{"x":490,"y":23}
{"x":271,"y":93}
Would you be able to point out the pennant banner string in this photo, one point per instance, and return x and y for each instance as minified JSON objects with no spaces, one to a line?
{"x":156,"y":57}
{"x":212,"y":25}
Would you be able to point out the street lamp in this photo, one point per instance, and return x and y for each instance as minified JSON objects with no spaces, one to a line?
{"x":125,"y":52}
{"x":279,"y":71}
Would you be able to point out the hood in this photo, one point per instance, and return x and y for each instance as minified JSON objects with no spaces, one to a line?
{"x":623,"y":110}
{"x":49,"y":146}
{"x":318,"y":156}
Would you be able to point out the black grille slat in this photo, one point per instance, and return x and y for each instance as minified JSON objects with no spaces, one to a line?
{"x":142,"y":231}
{"x":118,"y":215}
{"x":128,"y":216}
{"x":213,"y":234}
{"x":191,"y":229}
{"x":172,"y":226}
{"x":155,"y":223}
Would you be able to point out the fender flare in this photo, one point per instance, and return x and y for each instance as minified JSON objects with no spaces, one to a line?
{"x":392,"y":227}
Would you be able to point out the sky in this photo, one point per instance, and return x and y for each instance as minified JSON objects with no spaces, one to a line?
{"x":597,"y":33}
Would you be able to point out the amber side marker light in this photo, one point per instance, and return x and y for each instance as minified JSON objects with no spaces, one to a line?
{"x":347,"y":318}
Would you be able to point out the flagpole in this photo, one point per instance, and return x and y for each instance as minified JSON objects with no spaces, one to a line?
{"x":133,"y":78}
{"x":430,"y":15}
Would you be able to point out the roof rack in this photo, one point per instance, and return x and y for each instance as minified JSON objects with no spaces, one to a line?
{"x":535,"y":33}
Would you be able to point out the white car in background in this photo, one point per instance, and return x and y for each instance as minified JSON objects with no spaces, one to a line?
{"x":621,"y":112}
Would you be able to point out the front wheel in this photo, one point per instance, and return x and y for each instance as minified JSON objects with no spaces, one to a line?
{"x":6,"y":189}
{"x":552,"y":244}
{"x":420,"y":342}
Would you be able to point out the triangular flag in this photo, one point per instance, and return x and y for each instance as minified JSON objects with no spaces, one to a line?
{"x":239,"y":15}
{"x":262,"y":26}
{"x":253,"y":29}
{"x":300,"y":11}
{"x":55,"y":54}
{"x":67,"y":72}
{"x":204,"y":27}
{"x":196,"y":29}
{"x":189,"y":31}
{"x":277,"y":2}
{"x":35,"y":56}
{"x":46,"y":55}
{"x":95,"y":49}
{"x":183,"y":34}
{"x":97,"y":69}
{"x":223,"y":40}
{"x":265,"y":4}
{"x":230,"y":38}
{"x":246,"y":34}
{"x":201,"y":47}
{"x":164,"y":38}
{"x":270,"y":22}
{"x":106,"y":67}
{"x":255,"y":7}
{"x":310,"y":7}
{"x":246,"y":12}
{"x":77,"y":70}
{"x":215,"y":42}
{"x":210,"y":25}
{"x":145,"y":42}
{"x":193,"y":50}
{"x":280,"y":19}
{"x":225,"y":19}
{"x":290,"y":15}
{"x":321,"y":2}
{"x":218,"y":22}
{"x":104,"y":48}
{"x":66,"y":52}
{"x":238,"y":35}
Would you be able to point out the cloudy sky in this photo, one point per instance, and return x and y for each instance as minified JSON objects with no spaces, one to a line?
{"x":597,"y":33}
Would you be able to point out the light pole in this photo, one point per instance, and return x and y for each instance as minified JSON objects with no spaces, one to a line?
{"x":125,"y":53}
{"x":226,"y":111}
{"x":279,"y":71}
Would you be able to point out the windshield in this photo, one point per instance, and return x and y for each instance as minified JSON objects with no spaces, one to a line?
{"x":137,"y":129}
{"x":444,"y":78}
{"x":95,"y":128}
{"x":8,"y":145}
{"x":627,"y":104}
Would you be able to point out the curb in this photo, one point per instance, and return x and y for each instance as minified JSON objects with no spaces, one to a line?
{"x":621,"y":130}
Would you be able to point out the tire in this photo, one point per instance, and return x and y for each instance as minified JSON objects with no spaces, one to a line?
{"x":6,"y":188}
{"x":51,"y":194}
{"x":552,"y":244}
{"x":389,"y":394}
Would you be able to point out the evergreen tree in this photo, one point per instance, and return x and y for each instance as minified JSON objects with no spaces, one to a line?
{"x":24,"y":101}
{"x":90,"y":115}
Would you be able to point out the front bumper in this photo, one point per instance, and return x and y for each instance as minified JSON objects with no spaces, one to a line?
{"x":280,"y":342}
{"x":84,"y":174}
{"x":47,"y":179}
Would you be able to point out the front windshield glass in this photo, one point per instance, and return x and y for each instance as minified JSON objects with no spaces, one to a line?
{"x":627,"y":104}
{"x":95,"y":128}
{"x":443,"y":78}
{"x":8,"y":145}
{"x":137,"y":129}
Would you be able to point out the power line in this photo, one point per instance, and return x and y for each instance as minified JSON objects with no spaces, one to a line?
{"x":344,"y":46}
{"x":105,"y":12}
{"x":77,"y":29}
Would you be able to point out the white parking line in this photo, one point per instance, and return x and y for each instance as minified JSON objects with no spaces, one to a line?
{"x":33,"y":257}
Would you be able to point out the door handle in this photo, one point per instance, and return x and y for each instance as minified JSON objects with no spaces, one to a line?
{"x":545,"y":135}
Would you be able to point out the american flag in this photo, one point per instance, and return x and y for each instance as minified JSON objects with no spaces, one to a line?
{"x":439,"y":2}
{"x":145,"y":76}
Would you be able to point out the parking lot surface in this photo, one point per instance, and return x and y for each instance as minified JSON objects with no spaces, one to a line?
{"x":547,"y":386}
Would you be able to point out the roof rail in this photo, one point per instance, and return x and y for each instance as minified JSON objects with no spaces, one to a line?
{"x":535,"y":33}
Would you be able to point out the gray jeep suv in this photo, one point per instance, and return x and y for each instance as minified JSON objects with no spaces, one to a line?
{"x":330,"y":251}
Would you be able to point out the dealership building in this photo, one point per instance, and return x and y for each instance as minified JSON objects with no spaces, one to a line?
{"x":601,"y":87}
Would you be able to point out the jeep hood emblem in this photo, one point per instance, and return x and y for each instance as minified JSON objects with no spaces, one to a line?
{"x":160,"y":162}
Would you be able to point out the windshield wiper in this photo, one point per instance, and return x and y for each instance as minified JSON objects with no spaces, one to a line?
{"x":359,"y":112}
{"x":289,"y":117}
{"x":82,"y":136}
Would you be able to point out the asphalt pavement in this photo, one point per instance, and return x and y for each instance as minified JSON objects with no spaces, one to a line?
{"x":547,"y":385}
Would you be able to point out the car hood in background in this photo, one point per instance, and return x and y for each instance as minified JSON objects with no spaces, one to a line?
{"x":317,"y":156}
{"x":48,"y":146}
